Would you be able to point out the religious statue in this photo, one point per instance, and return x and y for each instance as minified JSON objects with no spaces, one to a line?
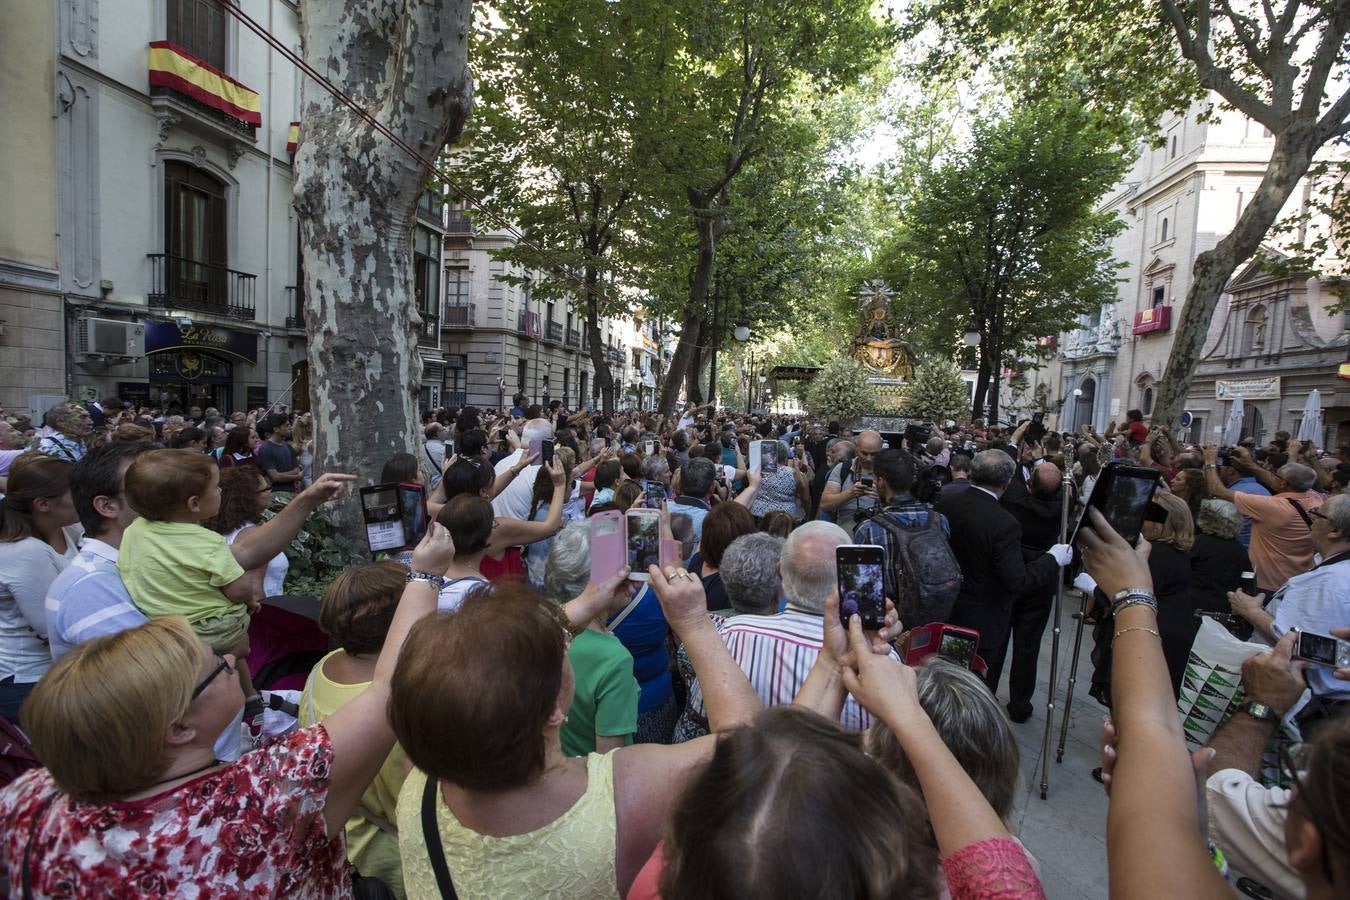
{"x":878,"y":345}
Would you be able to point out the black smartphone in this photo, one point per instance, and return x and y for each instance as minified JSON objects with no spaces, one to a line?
{"x":545,"y":453}
{"x":381,"y":510}
{"x":860,"y":569}
{"x":867,"y":481}
{"x":412,"y":500}
{"x":656,"y":492}
{"x":1122,"y":494}
{"x":768,"y":457}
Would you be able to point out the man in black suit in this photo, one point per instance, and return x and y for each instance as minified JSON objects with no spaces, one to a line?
{"x":987,"y":541}
{"x":1038,"y":512}
{"x":960,"y":466}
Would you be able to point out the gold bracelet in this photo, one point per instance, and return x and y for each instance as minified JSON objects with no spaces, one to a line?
{"x":1135,"y":628}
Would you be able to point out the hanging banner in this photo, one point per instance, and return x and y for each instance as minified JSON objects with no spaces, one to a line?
{"x":173,"y":67}
{"x":1249,"y":388}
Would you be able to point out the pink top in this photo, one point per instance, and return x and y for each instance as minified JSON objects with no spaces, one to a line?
{"x":254,"y":828}
{"x":992,"y":869}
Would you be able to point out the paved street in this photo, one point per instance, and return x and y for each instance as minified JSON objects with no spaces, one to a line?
{"x":1067,"y":831}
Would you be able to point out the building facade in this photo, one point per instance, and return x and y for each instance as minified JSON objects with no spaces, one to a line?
{"x":1271,"y":340}
{"x":499,"y":340}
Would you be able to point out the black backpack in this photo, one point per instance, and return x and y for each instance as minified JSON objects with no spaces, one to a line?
{"x":924,"y":567}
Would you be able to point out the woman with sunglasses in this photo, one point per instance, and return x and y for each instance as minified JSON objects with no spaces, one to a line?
{"x":133,"y":798}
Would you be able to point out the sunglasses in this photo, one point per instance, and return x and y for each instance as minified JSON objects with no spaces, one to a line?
{"x":224,"y":666}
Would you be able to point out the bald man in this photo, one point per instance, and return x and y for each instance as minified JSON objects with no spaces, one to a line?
{"x":1038,"y":512}
{"x":851,"y":490}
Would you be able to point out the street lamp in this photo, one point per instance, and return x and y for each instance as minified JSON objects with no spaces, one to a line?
{"x":741,"y":333}
{"x":971,"y":338}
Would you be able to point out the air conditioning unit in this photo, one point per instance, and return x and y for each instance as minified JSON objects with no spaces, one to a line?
{"x":109,"y":337}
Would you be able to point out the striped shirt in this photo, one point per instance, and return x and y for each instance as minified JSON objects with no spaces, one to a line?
{"x":88,"y":600}
{"x":776,"y":654}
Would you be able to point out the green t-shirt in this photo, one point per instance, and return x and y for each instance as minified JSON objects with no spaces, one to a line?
{"x":177,"y":569}
{"x":606,"y":696}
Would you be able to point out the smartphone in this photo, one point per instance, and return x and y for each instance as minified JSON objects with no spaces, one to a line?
{"x":381,"y":510}
{"x":545,"y":453}
{"x":656,"y":492}
{"x":607,"y":544}
{"x":959,"y":645}
{"x":768,"y":457}
{"x":1322,"y":649}
{"x":867,"y":481}
{"x":449,"y":449}
{"x":644,"y":541}
{"x":1122,"y":494}
{"x":413,"y":511}
{"x":860,"y":569}
{"x":649,"y":448}
{"x":1247,"y":583}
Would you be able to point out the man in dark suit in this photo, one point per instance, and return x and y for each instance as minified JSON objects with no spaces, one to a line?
{"x":1038,"y":512}
{"x":960,"y":466}
{"x":987,"y":541}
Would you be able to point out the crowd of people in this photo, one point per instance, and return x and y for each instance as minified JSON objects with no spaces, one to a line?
{"x":490,"y":720}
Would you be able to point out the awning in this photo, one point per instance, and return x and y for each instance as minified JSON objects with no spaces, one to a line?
{"x":173,"y":67}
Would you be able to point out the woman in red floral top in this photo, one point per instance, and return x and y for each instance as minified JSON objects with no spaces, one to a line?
{"x":133,"y":801}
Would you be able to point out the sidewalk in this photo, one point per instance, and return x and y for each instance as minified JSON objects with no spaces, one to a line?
{"x":1066,"y":832}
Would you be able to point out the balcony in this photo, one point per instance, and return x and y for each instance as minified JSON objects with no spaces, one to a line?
{"x":458,"y":222}
{"x":1153,"y":320}
{"x":295,"y":302}
{"x":554,"y":332}
{"x":615,"y":356}
{"x":201,"y":287}
{"x":574,"y":339}
{"x":458,"y":316}
{"x":527,"y":323}
{"x":454,"y":398}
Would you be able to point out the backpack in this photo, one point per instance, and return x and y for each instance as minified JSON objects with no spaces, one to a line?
{"x":928,"y":484}
{"x":925,"y":568}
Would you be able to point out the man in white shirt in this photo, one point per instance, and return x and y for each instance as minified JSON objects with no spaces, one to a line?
{"x":88,"y":600}
{"x":514,"y":501}
{"x":1246,"y":819}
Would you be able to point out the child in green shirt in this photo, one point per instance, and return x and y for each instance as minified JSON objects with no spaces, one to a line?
{"x":171,"y":565}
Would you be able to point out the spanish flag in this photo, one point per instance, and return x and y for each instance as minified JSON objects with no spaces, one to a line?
{"x":1344,"y":370}
{"x":173,"y":67}
{"x":293,"y":138}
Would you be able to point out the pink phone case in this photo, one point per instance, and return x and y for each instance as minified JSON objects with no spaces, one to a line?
{"x":609,"y":544}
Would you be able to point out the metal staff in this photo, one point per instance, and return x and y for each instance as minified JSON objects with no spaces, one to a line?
{"x":1066,"y":492}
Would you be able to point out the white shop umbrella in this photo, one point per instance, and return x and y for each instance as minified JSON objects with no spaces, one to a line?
{"x":1233,"y":433}
{"x":1310,"y":428}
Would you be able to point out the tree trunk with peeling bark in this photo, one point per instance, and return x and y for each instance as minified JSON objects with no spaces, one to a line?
{"x":355,"y":195}
{"x":595,"y":347}
{"x":710,"y":226}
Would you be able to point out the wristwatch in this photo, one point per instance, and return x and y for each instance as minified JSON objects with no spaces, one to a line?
{"x":1261,"y":712}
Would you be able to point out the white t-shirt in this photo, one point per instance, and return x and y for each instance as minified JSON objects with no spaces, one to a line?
{"x":1246,"y":821}
{"x":27,"y":570}
{"x":274,"y":579}
{"x":514,"y":502}
{"x":454,"y":591}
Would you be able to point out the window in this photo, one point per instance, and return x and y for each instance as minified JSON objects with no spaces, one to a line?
{"x":426,"y":280}
{"x":581,"y":393}
{"x":456,"y":386}
{"x":567,"y":386}
{"x":1147,"y":407}
{"x":522,"y":374}
{"x":543,"y":389}
{"x":549,"y":315}
{"x":1164,"y":229}
{"x":1159,"y":293}
{"x":456,"y":287}
{"x":1252,"y":425}
{"x":194,"y":234}
{"x":429,"y":205}
{"x":1174,"y":147}
{"x":1254,"y":330}
{"x":198,"y":26}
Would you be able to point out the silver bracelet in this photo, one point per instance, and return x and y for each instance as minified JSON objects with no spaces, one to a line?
{"x":1134,"y":600}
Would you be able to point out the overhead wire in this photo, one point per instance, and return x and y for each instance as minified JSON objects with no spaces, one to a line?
{"x":558,"y":267}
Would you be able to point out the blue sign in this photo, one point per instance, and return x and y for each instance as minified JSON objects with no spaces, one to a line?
{"x":162,"y":337}
{"x":1186,"y":419}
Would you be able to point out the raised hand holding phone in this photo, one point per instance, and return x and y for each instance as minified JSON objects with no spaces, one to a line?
{"x":435,"y":552}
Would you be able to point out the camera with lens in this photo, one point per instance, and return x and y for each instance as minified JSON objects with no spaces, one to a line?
{"x":1225,"y":456}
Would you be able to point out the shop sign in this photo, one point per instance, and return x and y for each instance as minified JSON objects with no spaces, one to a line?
{"x":1248,"y":388}
{"x":161,"y":337}
{"x":137,"y":393}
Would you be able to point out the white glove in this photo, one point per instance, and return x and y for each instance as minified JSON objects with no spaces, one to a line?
{"x":1062,"y":553}
{"x":1085,"y":583}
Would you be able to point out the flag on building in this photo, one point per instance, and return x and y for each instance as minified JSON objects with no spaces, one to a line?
{"x":173,"y":67}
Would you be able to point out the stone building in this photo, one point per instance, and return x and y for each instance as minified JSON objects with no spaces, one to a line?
{"x":1271,"y":339}
{"x":499,"y":339}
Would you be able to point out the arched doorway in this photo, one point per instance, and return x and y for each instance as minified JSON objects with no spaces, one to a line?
{"x":1084,"y":402}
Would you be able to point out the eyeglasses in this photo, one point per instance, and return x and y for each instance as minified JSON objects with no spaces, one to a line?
{"x":224,"y":666}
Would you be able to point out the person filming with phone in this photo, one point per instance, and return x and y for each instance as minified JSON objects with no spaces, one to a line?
{"x":851,"y":491}
{"x":1315,"y":601}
